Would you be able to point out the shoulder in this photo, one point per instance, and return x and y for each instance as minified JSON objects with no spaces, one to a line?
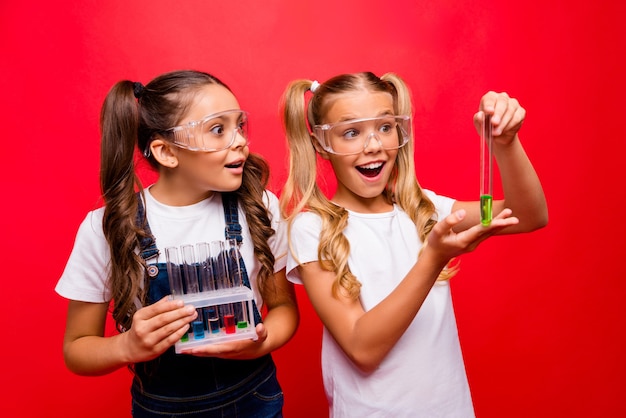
{"x":271,"y":202}
{"x":306,"y":221}
{"x":270,"y":199}
{"x":443,"y":204}
{"x":92,"y":223}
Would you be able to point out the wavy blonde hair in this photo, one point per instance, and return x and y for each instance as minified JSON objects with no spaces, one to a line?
{"x":302,"y":193}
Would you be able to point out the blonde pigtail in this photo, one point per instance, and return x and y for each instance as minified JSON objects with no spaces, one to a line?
{"x":301,"y":192}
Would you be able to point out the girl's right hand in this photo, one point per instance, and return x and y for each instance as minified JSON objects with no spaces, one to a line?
{"x":447,"y":244}
{"x":157,"y":327}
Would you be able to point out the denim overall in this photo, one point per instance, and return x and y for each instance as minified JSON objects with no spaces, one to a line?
{"x":182,"y":385}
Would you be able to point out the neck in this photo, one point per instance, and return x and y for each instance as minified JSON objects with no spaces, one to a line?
{"x":172,"y":195}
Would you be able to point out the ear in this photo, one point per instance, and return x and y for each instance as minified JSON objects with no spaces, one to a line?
{"x":164,"y":152}
{"x":318,"y":148}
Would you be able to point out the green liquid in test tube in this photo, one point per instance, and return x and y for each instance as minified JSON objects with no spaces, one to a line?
{"x":237,"y":281}
{"x":486,"y":173}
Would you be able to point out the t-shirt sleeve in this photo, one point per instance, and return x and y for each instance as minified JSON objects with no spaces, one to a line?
{"x":278,"y":241}
{"x":85,"y":276}
{"x":304,"y":240}
{"x":443,"y":204}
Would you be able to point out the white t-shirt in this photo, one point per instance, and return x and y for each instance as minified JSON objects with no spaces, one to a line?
{"x":423,"y":375}
{"x":86,"y":272}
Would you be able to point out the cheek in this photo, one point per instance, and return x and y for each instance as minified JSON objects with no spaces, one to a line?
{"x":393,"y":157}
{"x":341,"y":163}
{"x":205,"y":162}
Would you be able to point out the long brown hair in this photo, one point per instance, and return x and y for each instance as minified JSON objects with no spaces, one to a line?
{"x":301,"y":192}
{"x":130,"y":117}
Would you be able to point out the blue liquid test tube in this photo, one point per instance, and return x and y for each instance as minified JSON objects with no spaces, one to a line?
{"x":486,"y":172}
{"x":198,"y":326}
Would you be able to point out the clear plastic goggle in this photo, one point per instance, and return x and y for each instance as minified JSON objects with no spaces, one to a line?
{"x":353,"y":136}
{"x":212,"y":133}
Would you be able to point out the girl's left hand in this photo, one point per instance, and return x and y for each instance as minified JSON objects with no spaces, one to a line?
{"x":506,"y":113}
{"x":240,"y":350}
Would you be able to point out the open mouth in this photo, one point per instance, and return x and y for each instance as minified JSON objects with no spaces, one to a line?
{"x":371,"y":170}
{"x":234,"y":165}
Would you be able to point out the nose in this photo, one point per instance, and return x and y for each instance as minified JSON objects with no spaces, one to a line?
{"x":239,"y":141}
{"x":374,"y":145}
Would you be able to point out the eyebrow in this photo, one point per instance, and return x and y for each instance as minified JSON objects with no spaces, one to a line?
{"x":381,"y":114}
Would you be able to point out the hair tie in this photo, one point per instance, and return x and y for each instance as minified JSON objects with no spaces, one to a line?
{"x":138,"y":89}
{"x":314,"y":86}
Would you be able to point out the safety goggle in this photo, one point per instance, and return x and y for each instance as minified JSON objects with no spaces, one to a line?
{"x":353,"y":136}
{"x":212,"y":133}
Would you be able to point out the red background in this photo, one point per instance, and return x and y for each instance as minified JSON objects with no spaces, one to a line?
{"x":541,"y":316}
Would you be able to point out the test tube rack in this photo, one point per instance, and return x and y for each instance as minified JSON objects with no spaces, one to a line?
{"x":237,"y":330}
{"x":208,"y":276}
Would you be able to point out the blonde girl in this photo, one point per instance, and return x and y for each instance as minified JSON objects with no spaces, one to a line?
{"x":374,"y":258}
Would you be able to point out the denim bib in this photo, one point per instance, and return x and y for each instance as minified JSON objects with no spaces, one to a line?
{"x":183,"y":384}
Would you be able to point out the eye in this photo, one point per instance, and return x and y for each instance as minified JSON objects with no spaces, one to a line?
{"x":386,"y":128}
{"x":350,"y":133}
{"x":217,"y":130}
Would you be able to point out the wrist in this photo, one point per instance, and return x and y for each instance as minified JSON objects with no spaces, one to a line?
{"x":434,"y":259}
{"x":122,"y":348}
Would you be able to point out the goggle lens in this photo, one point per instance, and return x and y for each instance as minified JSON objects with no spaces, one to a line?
{"x":212,"y":133}
{"x":353,"y":136}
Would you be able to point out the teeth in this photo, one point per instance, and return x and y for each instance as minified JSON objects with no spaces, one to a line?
{"x":372,"y":166}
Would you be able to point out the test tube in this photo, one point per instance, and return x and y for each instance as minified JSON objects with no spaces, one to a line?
{"x":175,"y":276}
{"x":205,"y":267}
{"x":486,"y":172}
{"x":173,"y":271}
{"x":213,"y":319}
{"x":207,"y":282}
{"x":192,"y":286}
{"x":220,"y":265}
{"x":241,"y":311}
{"x":189,"y":270}
{"x":198,"y":325}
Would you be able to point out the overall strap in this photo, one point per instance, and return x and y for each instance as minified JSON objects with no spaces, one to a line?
{"x":233,"y":231}
{"x":147,"y":244}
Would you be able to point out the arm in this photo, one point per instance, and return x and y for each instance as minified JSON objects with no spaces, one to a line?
{"x":155,"y":328}
{"x":282,"y":316}
{"x":521,"y":186}
{"x":367,"y":337}
{"x":279,"y":325}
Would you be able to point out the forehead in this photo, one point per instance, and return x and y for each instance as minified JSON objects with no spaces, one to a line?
{"x":358,"y":104}
{"x":210,"y":99}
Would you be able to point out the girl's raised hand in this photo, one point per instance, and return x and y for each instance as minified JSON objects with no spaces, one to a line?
{"x":506,"y":113}
{"x":157,"y":327}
